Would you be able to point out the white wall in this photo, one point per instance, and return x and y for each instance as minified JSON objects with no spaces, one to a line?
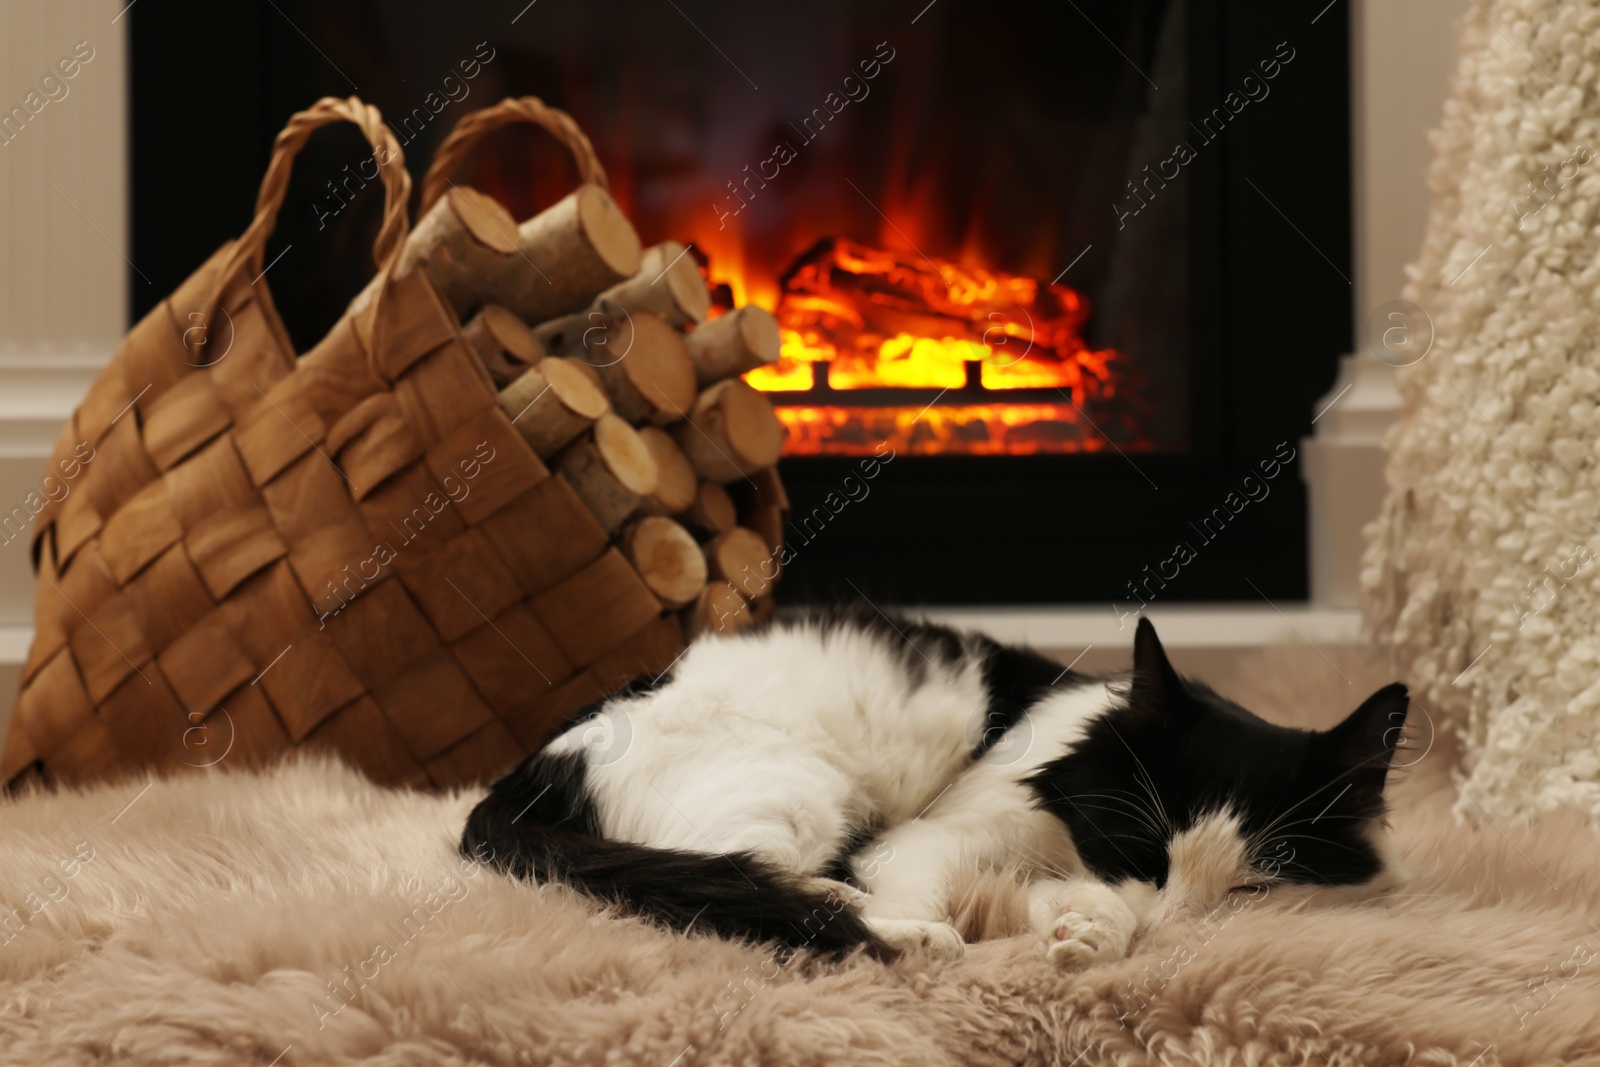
{"x":1402,"y":56}
{"x":63,"y":235}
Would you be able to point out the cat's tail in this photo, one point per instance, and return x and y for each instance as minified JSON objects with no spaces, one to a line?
{"x":539,"y":823}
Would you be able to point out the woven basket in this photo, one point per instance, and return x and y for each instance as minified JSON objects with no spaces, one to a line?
{"x":352,"y":550}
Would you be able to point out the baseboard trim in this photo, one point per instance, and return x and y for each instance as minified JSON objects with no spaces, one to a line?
{"x":39,"y":390}
{"x":1068,"y":630}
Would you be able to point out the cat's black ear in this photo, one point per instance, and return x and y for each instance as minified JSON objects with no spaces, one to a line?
{"x":1153,"y":674}
{"x":1364,"y":744}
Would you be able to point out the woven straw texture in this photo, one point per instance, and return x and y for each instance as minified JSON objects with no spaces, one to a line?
{"x":352,"y":549}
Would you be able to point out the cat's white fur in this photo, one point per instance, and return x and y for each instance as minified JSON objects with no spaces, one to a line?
{"x":824,"y":746}
{"x":777,"y":743}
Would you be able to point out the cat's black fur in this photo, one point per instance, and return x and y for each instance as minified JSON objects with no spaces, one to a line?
{"x":539,"y":823}
{"x":1192,"y":752}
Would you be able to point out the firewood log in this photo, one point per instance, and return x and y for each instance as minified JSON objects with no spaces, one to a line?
{"x":646,"y":371}
{"x":573,"y":334}
{"x":666,"y":557}
{"x":668,"y":284}
{"x":465,"y":243}
{"x":676,"y":485}
{"x":568,"y":254}
{"x":552,"y":403}
{"x":732,"y":432}
{"x":712,"y":511}
{"x":639,"y":357}
{"x":719,"y":609}
{"x":611,"y":470}
{"x":741,"y":556}
{"x":734,"y":344}
{"x":504,"y":343}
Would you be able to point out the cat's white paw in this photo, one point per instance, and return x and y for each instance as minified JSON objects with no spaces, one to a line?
{"x":939,"y":940}
{"x":1082,"y":923}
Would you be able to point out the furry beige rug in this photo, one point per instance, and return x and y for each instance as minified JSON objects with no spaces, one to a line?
{"x":304,"y":916}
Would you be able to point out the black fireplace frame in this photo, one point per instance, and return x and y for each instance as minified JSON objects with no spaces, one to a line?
{"x":1270,"y":300}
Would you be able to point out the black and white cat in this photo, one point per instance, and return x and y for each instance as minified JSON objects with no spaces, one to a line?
{"x":825,"y":781}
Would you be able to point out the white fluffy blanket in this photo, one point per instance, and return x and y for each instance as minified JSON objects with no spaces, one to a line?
{"x":1482,"y":570}
{"x":304,"y":916}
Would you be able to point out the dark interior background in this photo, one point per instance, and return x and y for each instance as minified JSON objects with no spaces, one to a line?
{"x":968,"y":93}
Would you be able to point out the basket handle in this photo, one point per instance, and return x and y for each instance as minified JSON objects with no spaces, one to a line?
{"x":249,"y":252}
{"x":475,"y":126}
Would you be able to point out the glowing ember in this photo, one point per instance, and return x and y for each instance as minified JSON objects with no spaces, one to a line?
{"x":853,"y":318}
{"x":970,"y":429}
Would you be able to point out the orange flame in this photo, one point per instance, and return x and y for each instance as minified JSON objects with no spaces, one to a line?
{"x":883,"y":320}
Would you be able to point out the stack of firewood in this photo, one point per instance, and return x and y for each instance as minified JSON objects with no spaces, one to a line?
{"x":608,"y":366}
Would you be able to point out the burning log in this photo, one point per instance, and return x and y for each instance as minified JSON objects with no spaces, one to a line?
{"x":712,"y":511}
{"x":734,"y":344}
{"x":668,"y":284}
{"x":465,"y":243}
{"x":504,"y":343}
{"x":738,"y":557}
{"x":553,"y":403}
{"x":666,"y":557}
{"x":732,"y":432}
{"x":675,"y":486}
{"x":569,"y":253}
{"x":611,"y":470}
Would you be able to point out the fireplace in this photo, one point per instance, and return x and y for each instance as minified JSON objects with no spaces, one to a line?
{"x":1065,"y":274}
{"x":932,"y":358}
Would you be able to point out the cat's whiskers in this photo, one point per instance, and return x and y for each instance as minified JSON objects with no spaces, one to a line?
{"x":1315,"y":837}
{"x":1292,"y":808}
{"x":1148,"y":783}
{"x":1143,"y":818}
{"x":1158,"y":816}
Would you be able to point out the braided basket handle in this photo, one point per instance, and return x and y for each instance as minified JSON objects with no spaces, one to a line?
{"x":475,"y":126}
{"x":249,"y":252}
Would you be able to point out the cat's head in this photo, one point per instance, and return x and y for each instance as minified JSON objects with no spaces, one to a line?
{"x":1184,"y":790}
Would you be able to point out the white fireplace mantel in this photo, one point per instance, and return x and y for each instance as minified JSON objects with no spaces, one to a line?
{"x":65,"y":270}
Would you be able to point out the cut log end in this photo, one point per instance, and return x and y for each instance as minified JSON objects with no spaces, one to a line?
{"x":611,"y":470}
{"x":667,"y":558}
{"x":740,"y":556}
{"x":610,"y":234}
{"x":553,"y":403}
{"x":504,"y":343}
{"x":626,"y":454}
{"x":734,"y":344}
{"x":484,"y":217}
{"x":731,"y":433}
{"x":668,"y":283}
{"x":679,"y":271}
{"x":465,"y":243}
{"x":568,"y":254}
{"x":712,"y":512}
{"x":676,"y":484}
{"x":719,"y":609}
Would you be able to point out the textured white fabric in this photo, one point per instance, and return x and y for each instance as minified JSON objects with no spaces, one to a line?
{"x":1485,"y":555}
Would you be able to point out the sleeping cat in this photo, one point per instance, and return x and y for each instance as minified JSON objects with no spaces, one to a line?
{"x":823,"y":782}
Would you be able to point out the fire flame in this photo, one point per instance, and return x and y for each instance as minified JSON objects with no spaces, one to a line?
{"x":874,"y":319}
